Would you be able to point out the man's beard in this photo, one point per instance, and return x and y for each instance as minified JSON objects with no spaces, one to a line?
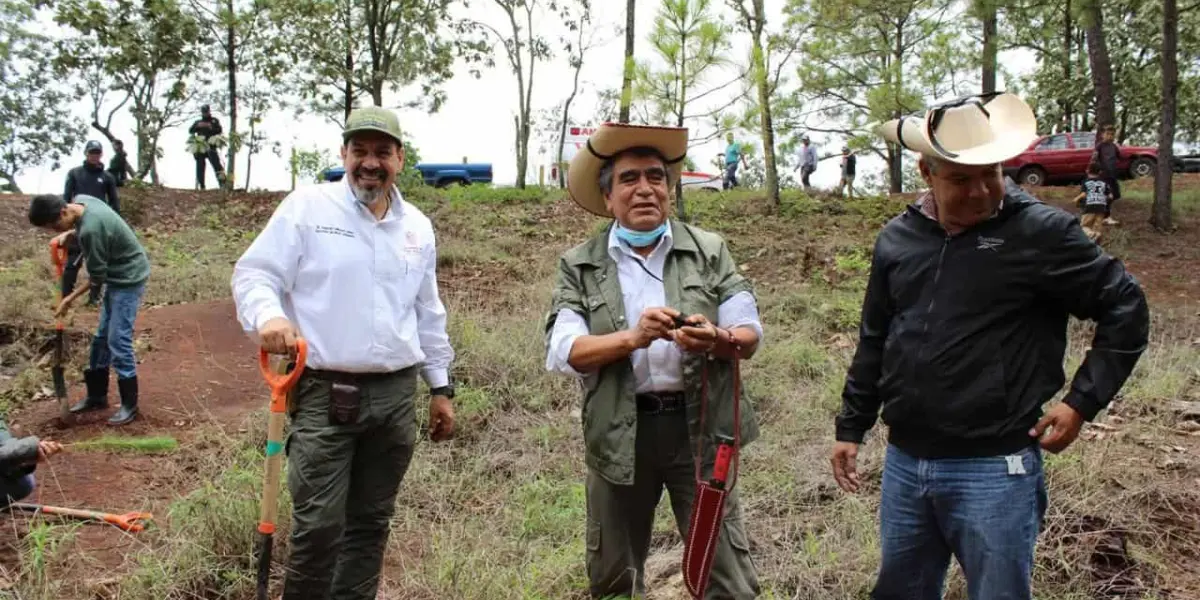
{"x":369,"y":197}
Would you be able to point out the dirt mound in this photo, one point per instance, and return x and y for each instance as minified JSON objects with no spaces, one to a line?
{"x":197,"y":368}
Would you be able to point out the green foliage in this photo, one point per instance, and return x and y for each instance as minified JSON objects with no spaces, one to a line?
{"x":33,"y":127}
{"x":147,"y":52}
{"x":355,"y":51}
{"x":867,"y":61}
{"x":690,"y":42}
{"x":1060,"y":85}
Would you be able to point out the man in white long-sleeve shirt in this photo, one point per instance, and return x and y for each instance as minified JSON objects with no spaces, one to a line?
{"x":612,"y":324}
{"x":350,"y":267}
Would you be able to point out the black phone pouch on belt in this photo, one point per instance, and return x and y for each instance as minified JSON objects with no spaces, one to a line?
{"x":344,"y":402}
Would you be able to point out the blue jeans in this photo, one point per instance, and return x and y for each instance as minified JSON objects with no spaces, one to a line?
{"x":15,"y":490}
{"x":731,"y":180}
{"x":113,"y":343}
{"x":986,"y":512}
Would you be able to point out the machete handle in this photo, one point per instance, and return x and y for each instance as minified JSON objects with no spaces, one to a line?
{"x":58,"y":255}
{"x":280,"y":383}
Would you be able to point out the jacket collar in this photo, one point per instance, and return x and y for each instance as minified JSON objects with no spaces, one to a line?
{"x":596,"y":250}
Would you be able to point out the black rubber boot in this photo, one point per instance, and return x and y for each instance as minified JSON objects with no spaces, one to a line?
{"x":97,"y":391}
{"x":129,"y":401}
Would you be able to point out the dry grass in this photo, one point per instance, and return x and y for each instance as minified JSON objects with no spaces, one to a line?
{"x":499,"y":511}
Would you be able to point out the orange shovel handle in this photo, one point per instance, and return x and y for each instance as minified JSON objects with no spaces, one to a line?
{"x":58,"y":255}
{"x":280,"y":383}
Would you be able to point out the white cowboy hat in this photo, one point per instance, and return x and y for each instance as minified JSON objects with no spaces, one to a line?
{"x":583,"y":175}
{"x":978,"y":129}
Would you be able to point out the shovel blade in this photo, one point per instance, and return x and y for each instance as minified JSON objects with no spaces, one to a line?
{"x":704,"y":532}
{"x":60,"y":383}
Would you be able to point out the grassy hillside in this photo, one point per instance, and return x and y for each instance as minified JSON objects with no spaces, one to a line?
{"x":499,"y":512}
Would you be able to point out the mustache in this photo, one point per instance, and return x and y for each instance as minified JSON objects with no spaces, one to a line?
{"x":376,"y":173}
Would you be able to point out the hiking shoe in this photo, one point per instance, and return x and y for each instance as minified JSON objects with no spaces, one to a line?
{"x":97,"y":391}
{"x":129,"y":400}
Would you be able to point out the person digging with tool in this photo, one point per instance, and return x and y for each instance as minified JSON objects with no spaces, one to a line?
{"x":612,"y":324}
{"x":118,"y":265}
{"x":963,"y":333}
{"x":19,"y":458}
{"x":350,"y":266}
{"x":88,"y":179}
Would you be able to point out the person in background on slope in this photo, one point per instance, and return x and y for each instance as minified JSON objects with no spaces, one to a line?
{"x":848,"y":168}
{"x":963,"y":332}
{"x":116,"y":263}
{"x":207,"y":127}
{"x":808,"y":161}
{"x":351,"y":267}
{"x":1107,"y":154}
{"x":88,"y":179}
{"x":119,"y":166}
{"x":1093,"y":201}
{"x":733,"y":157}
{"x":611,"y":325}
{"x":19,"y":458}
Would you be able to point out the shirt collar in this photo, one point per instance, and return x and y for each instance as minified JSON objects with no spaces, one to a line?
{"x":929,"y":208}
{"x":616,"y":246}
{"x":395,"y":211}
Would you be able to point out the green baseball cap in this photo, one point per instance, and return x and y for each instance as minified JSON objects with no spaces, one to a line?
{"x":373,"y":118}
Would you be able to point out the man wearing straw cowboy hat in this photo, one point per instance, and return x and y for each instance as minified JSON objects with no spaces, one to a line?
{"x":962,"y":339}
{"x":612,"y":324}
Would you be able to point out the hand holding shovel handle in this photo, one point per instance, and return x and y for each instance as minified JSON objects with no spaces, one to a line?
{"x":58,"y":255}
{"x":281,"y":384}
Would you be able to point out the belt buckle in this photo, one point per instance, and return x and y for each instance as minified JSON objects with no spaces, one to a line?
{"x":658,"y":404}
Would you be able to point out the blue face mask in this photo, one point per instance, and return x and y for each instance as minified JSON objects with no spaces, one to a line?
{"x":640,"y":239}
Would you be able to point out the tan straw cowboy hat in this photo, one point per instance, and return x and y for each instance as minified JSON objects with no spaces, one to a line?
{"x":583,"y":176}
{"x":977,"y":129}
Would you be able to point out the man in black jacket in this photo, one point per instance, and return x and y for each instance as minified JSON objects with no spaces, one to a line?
{"x":962,"y":340}
{"x":207,"y":126}
{"x":88,"y":179}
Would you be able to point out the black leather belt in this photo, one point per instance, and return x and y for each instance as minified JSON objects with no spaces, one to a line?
{"x":347,"y":377}
{"x":660,"y":402}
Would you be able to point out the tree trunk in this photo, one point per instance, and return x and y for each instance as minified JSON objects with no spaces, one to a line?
{"x":627,"y":78}
{"x":349,"y":73}
{"x":764,"y":106}
{"x":990,"y":45}
{"x":1068,"y":107}
{"x":231,"y":66}
{"x":566,"y":116}
{"x":1160,"y":212}
{"x":249,"y":150}
{"x":895,"y":155}
{"x":1102,"y":75}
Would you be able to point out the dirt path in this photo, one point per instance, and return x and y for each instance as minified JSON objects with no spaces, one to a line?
{"x":197,"y":369}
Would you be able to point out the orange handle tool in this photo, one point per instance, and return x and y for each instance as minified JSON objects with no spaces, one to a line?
{"x":131,"y":521}
{"x":281,"y":384}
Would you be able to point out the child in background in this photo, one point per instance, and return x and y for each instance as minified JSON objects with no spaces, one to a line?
{"x":18,"y":460}
{"x":1094,"y":201}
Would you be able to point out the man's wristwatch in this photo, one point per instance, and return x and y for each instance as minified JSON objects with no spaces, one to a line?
{"x":445,"y":390}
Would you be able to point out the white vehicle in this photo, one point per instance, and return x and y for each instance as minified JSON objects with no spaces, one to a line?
{"x":695,"y":180}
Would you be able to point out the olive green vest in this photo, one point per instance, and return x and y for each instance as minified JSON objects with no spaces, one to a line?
{"x":698,"y":276}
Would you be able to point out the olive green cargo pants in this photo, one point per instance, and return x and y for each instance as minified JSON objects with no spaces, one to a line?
{"x":620,"y":518}
{"x":343,"y":480}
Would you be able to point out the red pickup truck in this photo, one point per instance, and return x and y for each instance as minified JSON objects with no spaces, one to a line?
{"x":1064,"y":157}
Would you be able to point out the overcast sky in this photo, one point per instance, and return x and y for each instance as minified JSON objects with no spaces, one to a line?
{"x":476,"y":121}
